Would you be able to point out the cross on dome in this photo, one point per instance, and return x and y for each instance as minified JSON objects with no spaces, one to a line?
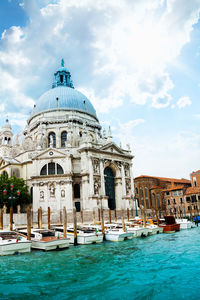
{"x":62,"y":62}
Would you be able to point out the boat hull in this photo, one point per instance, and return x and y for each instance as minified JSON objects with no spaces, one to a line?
{"x":171,"y":228}
{"x":57,"y":244}
{"x":138,"y":232}
{"x":86,"y":239}
{"x":11,"y":248}
{"x":118,"y":237}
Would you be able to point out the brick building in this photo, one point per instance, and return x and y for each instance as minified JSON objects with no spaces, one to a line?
{"x":150,"y":192}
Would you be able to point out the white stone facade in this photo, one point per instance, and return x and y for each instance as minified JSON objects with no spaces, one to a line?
{"x":63,"y":169}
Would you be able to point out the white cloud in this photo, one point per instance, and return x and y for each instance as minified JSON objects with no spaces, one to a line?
{"x":184,"y":101}
{"x":116,"y":50}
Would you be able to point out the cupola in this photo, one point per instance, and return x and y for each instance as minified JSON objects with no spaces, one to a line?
{"x":62,"y":77}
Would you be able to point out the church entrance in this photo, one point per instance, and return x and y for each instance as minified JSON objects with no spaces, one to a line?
{"x":110,"y":187}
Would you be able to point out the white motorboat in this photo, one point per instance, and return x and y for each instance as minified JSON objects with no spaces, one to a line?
{"x":12,"y":243}
{"x":154,"y":229}
{"x":185,"y":223}
{"x":115,"y":233}
{"x":84,"y":235}
{"x":46,"y":240}
{"x":138,"y":231}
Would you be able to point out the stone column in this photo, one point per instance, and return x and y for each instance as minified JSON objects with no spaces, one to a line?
{"x":131,"y":175}
{"x":69,"y":193}
{"x":123,"y":181}
{"x":103,"y":192}
{"x":91,"y":178}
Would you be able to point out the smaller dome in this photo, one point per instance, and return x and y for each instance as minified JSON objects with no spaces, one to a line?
{"x":6,"y":125}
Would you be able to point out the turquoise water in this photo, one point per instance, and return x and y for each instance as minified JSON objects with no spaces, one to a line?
{"x":164,"y":266}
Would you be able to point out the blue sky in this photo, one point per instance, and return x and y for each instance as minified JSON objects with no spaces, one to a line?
{"x":137,"y":61}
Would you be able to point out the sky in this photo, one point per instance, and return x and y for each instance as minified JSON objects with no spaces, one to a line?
{"x":137,"y":61}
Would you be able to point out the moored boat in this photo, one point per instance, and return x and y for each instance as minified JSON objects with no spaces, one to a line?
{"x":170,"y":225}
{"x":84,"y":235}
{"x":115,"y":233}
{"x":185,"y":223}
{"x":46,"y":240}
{"x":137,"y":230}
{"x":12,"y":243}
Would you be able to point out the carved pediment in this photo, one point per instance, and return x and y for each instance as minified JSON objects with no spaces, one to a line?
{"x":50,"y":153}
{"x":113,"y":148}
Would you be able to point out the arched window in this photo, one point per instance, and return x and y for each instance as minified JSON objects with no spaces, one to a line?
{"x":44,"y":170}
{"x":154,"y":201}
{"x":141,"y":197}
{"x":51,"y":169}
{"x":146,"y":197}
{"x":52,"y":140}
{"x":77,"y":190}
{"x":63,"y":138}
{"x":158,"y":200}
{"x":59,"y":169}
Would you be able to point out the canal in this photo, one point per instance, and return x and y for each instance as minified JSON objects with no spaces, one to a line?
{"x":164,"y":266}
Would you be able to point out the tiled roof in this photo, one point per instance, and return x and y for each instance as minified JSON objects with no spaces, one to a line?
{"x":156,"y":187}
{"x":192,"y":190}
{"x":180,"y":187}
{"x":182,"y":180}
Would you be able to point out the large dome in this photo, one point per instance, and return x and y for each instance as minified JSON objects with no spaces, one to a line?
{"x":63,"y":96}
{"x":66,"y":98}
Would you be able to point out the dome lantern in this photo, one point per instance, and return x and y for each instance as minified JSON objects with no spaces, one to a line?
{"x":62,"y":77}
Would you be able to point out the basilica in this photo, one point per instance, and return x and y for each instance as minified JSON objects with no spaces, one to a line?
{"x":64,"y":157}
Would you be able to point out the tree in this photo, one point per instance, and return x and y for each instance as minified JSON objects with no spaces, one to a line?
{"x":18,"y":185}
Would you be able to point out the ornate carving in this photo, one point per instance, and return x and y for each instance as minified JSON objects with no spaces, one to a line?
{"x":119,"y":164}
{"x":128,"y":186}
{"x":107,"y":161}
{"x":62,"y":193}
{"x":95,"y":163}
{"x":42,"y":195}
{"x":28,"y":144}
{"x":127,"y":169}
{"x":97,"y":185}
{"x":52,"y":190}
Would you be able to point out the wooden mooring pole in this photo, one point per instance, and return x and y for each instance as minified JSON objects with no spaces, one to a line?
{"x":128,"y":215}
{"x":99,"y":214}
{"x":64,"y":222}
{"x":75,"y":226}
{"x":115,"y":215}
{"x":122,"y":217}
{"x":28,"y":223}
{"x":102,"y":222}
{"x":145,"y":222}
{"x":40,"y":218}
{"x":11,"y":218}
{"x":82,"y":216}
{"x":94,"y":217}
{"x":49,"y":217}
{"x":1,"y":218}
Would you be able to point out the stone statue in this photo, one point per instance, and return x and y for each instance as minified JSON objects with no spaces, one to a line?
{"x":51,"y":141}
{"x":96,"y":187}
{"x":128,"y":147}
